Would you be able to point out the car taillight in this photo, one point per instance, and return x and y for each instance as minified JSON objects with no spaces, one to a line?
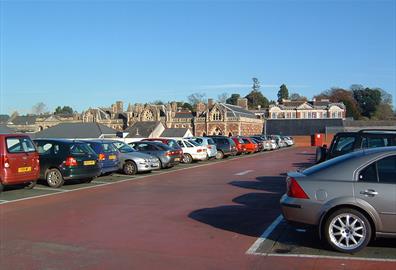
{"x":294,"y":190}
{"x":6,"y":162}
{"x":71,"y":161}
{"x":209,"y":147}
{"x":102,"y":157}
{"x":200,"y":150}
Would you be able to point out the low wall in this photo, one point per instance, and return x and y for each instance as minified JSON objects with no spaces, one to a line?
{"x":306,"y":140}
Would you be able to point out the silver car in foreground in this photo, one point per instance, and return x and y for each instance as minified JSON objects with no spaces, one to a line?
{"x":132,"y":162}
{"x":351,"y":198}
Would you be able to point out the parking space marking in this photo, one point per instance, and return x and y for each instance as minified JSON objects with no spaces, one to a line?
{"x":253,"y":249}
{"x":99,"y":182}
{"x":244,"y":172}
{"x":325,"y":257}
{"x":3,"y":201}
{"x":51,"y":189}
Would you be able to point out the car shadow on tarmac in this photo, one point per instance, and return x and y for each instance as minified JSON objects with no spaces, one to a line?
{"x":252,"y":212}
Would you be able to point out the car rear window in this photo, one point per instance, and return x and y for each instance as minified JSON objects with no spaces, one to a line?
{"x":163,"y":147}
{"x":81,"y":149}
{"x":20,"y":145}
{"x":173,"y":144}
{"x":109,"y":148}
{"x":211,"y":141}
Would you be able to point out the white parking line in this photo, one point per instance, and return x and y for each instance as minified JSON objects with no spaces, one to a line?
{"x":253,"y":249}
{"x":51,"y":189}
{"x":3,"y":201}
{"x":327,"y":257}
{"x":244,"y":172}
{"x":99,"y":182}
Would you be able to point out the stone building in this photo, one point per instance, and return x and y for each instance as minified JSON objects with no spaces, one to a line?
{"x":35,"y":123}
{"x":315,"y":109}
{"x":211,"y":118}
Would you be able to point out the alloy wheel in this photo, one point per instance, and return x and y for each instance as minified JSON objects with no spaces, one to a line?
{"x":347,"y":231}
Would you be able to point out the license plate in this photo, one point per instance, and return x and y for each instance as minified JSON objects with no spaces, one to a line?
{"x":177,"y":159}
{"x":89,"y":162}
{"x":112,"y":157}
{"x":24,"y":169}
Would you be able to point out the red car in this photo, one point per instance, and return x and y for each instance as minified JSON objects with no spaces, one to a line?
{"x":19,"y":161}
{"x":251,"y":146}
{"x":240,"y":145}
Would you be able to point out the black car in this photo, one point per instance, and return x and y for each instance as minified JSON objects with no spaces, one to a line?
{"x":225,"y":146}
{"x":62,"y":160}
{"x":346,"y":142}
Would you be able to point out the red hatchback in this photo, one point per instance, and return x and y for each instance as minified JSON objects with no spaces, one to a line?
{"x":19,"y":160}
{"x":251,"y":146}
{"x":240,"y":145}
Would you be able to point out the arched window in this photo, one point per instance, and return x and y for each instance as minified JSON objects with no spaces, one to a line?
{"x":216,"y":115}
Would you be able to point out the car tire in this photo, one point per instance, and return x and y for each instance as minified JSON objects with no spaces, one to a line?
{"x":219,"y":155}
{"x":31,"y":185}
{"x":187,"y":158}
{"x":347,"y":230}
{"x":129,"y":168}
{"x":54,"y":178}
{"x":89,"y":180}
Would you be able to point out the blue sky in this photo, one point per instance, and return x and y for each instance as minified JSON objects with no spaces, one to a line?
{"x":91,"y":53}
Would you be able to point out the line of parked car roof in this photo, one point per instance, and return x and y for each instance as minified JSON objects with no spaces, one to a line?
{"x":23,"y":161}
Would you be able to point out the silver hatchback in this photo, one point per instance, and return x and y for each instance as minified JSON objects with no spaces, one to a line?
{"x":351,"y":198}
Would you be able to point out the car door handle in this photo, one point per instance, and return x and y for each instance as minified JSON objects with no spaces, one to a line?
{"x":369,"y":192}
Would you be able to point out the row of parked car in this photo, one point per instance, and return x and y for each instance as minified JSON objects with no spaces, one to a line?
{"x":23,"y":161}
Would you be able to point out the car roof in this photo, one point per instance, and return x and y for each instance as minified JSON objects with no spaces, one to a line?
{"x":344,"y":167}
{"x":67,"y":141}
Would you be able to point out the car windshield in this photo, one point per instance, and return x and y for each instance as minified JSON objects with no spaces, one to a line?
{"x":123,"y":147}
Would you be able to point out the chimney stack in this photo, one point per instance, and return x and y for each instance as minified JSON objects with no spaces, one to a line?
{"x":242,"y":102}
{"x":210,"y":103}
{"x":200,"y":107}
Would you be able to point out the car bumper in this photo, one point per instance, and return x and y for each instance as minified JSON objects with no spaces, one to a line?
{"x":201,"y":156}
{"x":300,"y":211}
{"x":211,"y":153}
{"x":110,"y":169}
{"x":81,"y":173}
{"x":148,"y":167}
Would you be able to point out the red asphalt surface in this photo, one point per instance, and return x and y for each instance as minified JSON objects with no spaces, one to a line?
{"x":199,"y":218}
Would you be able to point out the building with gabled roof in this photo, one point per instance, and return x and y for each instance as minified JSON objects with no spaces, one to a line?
{"x":145,"y":130}
{"x":302,"y":109}
{"x":177,"y":133}
{"x":77,"y":131}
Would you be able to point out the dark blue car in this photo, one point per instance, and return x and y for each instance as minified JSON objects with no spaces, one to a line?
{"x":108,"y":155}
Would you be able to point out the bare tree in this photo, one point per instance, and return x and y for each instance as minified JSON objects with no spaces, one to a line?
{"x":222,"y":98}
{"x":195,"y":98}
{"x":39,"y":108}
